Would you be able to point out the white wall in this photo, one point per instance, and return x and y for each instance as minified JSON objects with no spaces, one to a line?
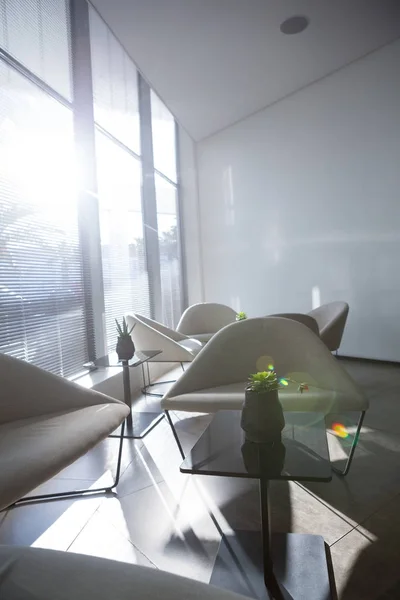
{"x":305,"y":196}
{"x":190,"y":217}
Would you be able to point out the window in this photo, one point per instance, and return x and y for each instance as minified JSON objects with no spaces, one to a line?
{"x":115,"y":88}
{"x":125,"y":277}
{"x":166,"y":195}
{"x":164,"y":143}
{"x":116,"y":111}
{"x":164,"y":152}
{"x":36,"y":33}
{"x":41,"y":289}
{"x":64,"y":250}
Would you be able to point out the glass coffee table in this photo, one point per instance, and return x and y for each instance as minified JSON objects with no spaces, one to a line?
{"x":138,"y":424}
{"x":258,"y":564}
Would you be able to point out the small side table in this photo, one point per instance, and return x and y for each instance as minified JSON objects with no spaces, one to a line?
{"x":138,"y":424}
{"x":256,"y":564}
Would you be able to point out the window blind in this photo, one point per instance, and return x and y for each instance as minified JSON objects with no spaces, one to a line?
{"x":164,"y":143}
{"x":164,"y":156}
{"x":41,"y":288}
{"x":166,"y":197}
{"x":116,"y":112}
{"x":115,"y":85}
{"x":126,"y":285}
{"x":37,"y":34}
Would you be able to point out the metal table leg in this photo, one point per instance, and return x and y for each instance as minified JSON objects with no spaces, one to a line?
{"x":127,"y":390}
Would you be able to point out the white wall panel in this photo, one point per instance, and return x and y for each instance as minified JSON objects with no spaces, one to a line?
{"x":302,"y":201}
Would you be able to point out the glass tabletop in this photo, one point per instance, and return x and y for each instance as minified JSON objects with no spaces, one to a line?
{"x":140,"y":357}
{"x":302,"y":455}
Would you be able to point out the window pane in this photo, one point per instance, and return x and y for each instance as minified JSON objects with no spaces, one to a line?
{"x":166,"y":194}
{"x":126,"y":285}
{"x":115,"y":87}
{"x":41,"y":289}
{"x":37,"y":34}
{"x":164,"y":147}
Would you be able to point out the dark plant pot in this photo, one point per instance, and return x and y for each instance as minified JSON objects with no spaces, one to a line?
{"x":125,"y":348}
{"x":262,"y":417}
{"x":266,"y":459}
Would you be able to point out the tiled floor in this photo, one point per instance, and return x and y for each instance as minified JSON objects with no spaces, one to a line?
{"x":163,"y":519}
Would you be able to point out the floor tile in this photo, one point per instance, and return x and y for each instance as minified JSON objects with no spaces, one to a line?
{"x":295,"y":510}
{"x":178,"y":536}
{"x":384,"y":526}
{"x":364,"y":570}
{"x":292,"y":508}
{"x":100,"y":460}
{"x":142,"y":472}
{"x":374,"y":478}
{"x":53,"y":524}
{"x":100,"y":538}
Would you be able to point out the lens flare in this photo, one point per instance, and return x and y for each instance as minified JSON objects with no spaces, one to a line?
{"x":283,"y":382}
{"x":263,"y":363}
{"x":340,"y":430}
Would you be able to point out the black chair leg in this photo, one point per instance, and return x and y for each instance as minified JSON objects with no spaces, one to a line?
{"x":77,"y":493}
{"x":175,"y":434}
{"x":344,"y":472}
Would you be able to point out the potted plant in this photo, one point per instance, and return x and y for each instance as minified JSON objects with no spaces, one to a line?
{"x":262,"y":414}
{"x":241,"y":316}
{"x":125,"y":346}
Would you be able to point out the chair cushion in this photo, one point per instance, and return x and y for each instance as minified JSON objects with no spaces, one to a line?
{"x":231,"y":397}
{"x":35,"y":449}
{"x":50,"y":575}
{"x":194,"y":346}
{"x":203,"y":337}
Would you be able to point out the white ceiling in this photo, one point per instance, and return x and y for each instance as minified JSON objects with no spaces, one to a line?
{"x":214,"y":62}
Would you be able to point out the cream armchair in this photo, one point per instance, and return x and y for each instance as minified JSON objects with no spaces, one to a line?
{"x":217,"y":378}
{"x":331,"y":319}
{"x":202,"y":321}
{"x":306,"y":320}
{"x":46,"y":423}
{"x":37,"y":574}
{"x":152,"y":335}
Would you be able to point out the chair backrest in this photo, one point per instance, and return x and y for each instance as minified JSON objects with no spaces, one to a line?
{"x":331,"y":319}
{"x":206,"y":317}
{"x":306,"y":320}
{"x":161,"y":328}
{"x":251,"y":345}
{"x":28,"y":391}
{"x":146,"y":337}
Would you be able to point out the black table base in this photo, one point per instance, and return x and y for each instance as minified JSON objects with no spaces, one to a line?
{"x":299,"y":566}
{"x":139,"y":424}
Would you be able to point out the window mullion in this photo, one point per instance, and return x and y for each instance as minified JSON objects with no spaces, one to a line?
{"x":89,"y":225}
{"x":149,"y":201}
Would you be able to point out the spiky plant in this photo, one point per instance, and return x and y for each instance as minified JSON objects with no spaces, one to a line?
{"x":262,"y":382}
{"x":241,"y":316}
{"x":123,"y":330}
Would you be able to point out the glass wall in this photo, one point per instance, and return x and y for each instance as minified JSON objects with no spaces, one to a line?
{"x":164,"y":153}
{"x":46,"y":298}
{"x":42,"y":311}
{"x":116,"y":114}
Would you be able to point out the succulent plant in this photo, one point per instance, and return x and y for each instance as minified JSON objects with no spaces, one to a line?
{"x":241,"y":316}
{"x":123,"y":331}
{"x":263,"y":381}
